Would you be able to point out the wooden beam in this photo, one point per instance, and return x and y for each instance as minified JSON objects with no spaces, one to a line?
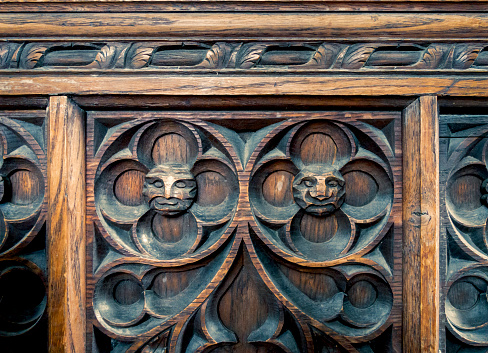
{"x":66,"y":226}
{"x":194,"y":26}
{"x":249,"y":6}
{"x":421,"y":226}
{"x":157,"y":84}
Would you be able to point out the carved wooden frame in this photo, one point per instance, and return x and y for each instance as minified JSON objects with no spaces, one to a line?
{"x":261,"y":60}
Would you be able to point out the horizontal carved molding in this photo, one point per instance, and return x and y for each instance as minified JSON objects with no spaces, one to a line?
{"x":244,"y":56}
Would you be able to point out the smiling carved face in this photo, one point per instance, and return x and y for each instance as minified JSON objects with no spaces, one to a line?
{"x":319,"y":190}
{"x":170,"y":189}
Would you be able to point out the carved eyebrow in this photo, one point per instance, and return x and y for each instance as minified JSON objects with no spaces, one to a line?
{"x":181,"y":173}
{"x":339,"y":180}
{"x":153,"y":178}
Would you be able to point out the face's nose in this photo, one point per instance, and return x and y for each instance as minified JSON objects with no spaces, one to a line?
{"x":168,"y":182}
{"x":167,"y":192}
{"x":322,"y":192}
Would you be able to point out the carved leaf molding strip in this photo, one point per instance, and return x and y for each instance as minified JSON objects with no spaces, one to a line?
{"x":246,"y":56}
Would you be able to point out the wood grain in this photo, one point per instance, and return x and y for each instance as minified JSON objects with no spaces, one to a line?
{"x":330,"y":85}
{"x":191,"y":26}
{"x":421,"y":227}
{"x":266,"y":187}
{"x":238,"y":6}
{"x":66,"y":226}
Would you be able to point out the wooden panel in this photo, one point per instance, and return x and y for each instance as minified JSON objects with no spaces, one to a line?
{"x":421,"y":227}
{"x":23,"y":275}
{"x":464,"y":267}
{"x":244,"y":238}
{"x":191,"y":26}
{"x":245,"y":57}
{"x":66,"y":226}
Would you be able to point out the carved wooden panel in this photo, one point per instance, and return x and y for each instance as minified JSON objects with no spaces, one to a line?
{"x":255,"y":56}
{"x":244,"y":231}
{"x":23,"y":280}
{"x":464,"y":246}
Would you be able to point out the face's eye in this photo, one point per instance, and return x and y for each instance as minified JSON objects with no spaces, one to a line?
{"x":180,"y":184}
{"x":333,"y":183}
{"x":158,"y":184}
{"x":308,"y":182}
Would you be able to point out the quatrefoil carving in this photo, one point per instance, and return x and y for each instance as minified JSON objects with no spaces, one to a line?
{"x":306,"y":195}
{"x":22,"y":160}
{"x":334,"y":195}
{"x":184,"y":197}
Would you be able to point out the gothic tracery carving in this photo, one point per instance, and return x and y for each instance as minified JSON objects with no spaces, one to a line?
{"x":194,"y":223}
{"x":23,"y":284}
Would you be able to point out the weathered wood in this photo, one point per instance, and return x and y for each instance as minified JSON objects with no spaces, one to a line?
{"x":245,"y":57}
{"x":247,"y":6}
{"x":23,"y":276}
{"x":192,"y":193}
{"x":459,"y":86}
{"x":66,"y":226}
{"x":421,"y":226}
{"x":464,"y":263}
{"x":309,"y":26}
{"x":218,"y":102}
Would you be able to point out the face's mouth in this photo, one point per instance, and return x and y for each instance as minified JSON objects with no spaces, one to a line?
{"x":166,"y":202}
{"x":322,"y":201}
{"x":162,"y":203}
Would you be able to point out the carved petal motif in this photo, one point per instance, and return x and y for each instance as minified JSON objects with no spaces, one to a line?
{"x":151,"y":158}
{"x":315,"y":157}
{"x":175,"y":271}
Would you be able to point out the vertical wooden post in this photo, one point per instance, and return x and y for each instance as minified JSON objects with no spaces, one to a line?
{"x":421,"y":226}
{"x":66,"y":225}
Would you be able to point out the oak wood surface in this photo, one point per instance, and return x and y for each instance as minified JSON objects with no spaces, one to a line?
{"x":249,"y":271}
{"x":244,"y":85}
{"x":421,"y":227}
{"x":270,"y":26}
{"x":66,"y":226}
{"x":400,"y":56}
{"x":242,"y":6}
{"x":246,"y":57}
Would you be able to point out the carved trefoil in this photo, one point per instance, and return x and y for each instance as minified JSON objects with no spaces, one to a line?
{"x":212,"y":235}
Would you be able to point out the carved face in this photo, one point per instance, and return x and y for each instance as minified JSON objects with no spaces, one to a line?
{"x":170,"y":189}
{"x":319,"y":190}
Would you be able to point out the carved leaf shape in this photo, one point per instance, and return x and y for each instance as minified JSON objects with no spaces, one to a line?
{"x":218,"y":56}
{"x":120,"y":61}
{"x":465,"y":55}
{"x":357,"y":55}
{"x":325,"y":56}
{"x":105,"y":57}
{"x":140,"y":57}
{"x":4,"y":54}
{"x":250,"y":55}
{"x":33,"y":56}
{"x":433,"y":57}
